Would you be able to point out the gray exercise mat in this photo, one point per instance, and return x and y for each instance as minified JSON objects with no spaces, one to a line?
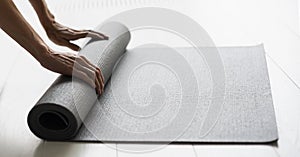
{"x":155,"y":93}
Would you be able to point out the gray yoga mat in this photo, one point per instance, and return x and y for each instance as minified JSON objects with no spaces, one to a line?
{"x":56,"y":115}
{"x":160,"y":94}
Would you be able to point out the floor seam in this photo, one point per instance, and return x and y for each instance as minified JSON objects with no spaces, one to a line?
{"x":282,"y":70}
{"x":117,"y":151}
{"x":194,"y":149}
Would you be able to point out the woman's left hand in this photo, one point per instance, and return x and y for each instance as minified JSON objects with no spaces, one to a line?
{"x":62,"y":35}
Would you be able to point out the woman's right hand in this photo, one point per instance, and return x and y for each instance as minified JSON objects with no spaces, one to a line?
{"x":74,"y":65}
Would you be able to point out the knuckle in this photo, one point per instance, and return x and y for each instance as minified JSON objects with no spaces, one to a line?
{"x":83,"y":57}
{"x":97,"y":72}
{"x":77,"y":58}
{"x":94,"y":75}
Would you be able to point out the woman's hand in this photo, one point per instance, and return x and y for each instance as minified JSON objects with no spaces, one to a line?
{"x":62,"y":35}
{"x":78,"y":66}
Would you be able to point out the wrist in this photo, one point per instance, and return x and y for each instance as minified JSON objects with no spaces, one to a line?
{"x":45,"y":16}
{"x":41,"y":52}
{"x":47,"y":22}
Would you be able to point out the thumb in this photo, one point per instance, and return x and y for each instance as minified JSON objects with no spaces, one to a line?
{"x":73,"y":46}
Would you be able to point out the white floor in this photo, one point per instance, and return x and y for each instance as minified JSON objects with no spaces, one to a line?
{"x":230,"y":23}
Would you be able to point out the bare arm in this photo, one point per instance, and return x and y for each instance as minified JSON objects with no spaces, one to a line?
{"x":14,"y":24}
{"x":59,"y":34}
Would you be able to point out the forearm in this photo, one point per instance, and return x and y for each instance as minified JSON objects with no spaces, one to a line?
{"x":45,"y":16}
{"x":14,"y":24}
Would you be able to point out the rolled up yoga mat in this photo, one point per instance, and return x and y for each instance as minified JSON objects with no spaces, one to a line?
{"x":56,"y":115}
{"x":160,"y":94}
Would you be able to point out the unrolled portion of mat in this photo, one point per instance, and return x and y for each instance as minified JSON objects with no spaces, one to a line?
{"x":59,"y":113}
{"x":165,"y":95}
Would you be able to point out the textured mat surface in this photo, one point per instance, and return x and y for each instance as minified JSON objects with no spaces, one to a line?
{"x":160,"y":94}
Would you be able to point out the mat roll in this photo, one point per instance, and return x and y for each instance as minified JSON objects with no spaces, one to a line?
{"x":59,"y":113}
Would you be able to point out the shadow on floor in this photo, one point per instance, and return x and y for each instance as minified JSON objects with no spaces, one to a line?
{"x":56,"y":149}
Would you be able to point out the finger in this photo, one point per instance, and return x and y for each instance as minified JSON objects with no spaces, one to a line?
{"x":81,"y":75}
{"x":97,"y":34}
{"x":88,"y":80}
{"x":97,"y":73}
{"x":66,"y":34}
{"x":93,"y":82}
{"x":77,"y":65}
{"x":91,"y":74}
{"x":96,"y":69}
{"x":102,"y":77}
{"x":83,"y":61}
{"x":78,"y":35}
{"x":73,"y":46}
{"x":70,"y":34}
{"x":92,"y":34}
{"x":67,"y":43}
